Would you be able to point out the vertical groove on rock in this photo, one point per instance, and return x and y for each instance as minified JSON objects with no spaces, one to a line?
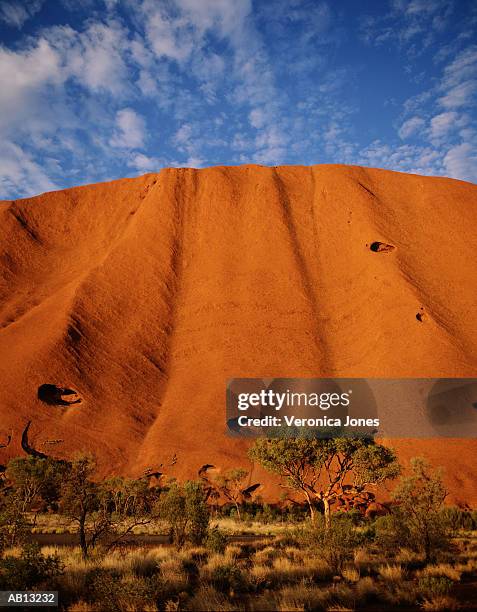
{"x":305,"y":274}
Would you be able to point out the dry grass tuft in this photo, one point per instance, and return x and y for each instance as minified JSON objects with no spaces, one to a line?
{"x":363,"y":560}
{"x":208,"y":598}
{"x":173,"y":574}
{"x":366,"y":590}
{"x":81,"y":606}
{"x":265,"y":556}
{"x":391,"y":573}
{"x":350,"y":574}
{"x":408,"y":557}
{"x":303,"y":597}
{"x":440,"y":603}
{"x":233,"y":551}
{"x":13,"y":551}
{"x":443,"y":569}
{"x":214,"y":561}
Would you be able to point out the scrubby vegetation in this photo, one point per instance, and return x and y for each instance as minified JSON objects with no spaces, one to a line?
{"x":223,"y":548}
{"x":291,"y":573}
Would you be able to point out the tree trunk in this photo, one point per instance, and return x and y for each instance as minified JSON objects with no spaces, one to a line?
{"x":237,"y":507}
{"x":82,"y":534}
{"x":427,"y":545}
{"x":326,"y":507}
{"x":310,"y":506}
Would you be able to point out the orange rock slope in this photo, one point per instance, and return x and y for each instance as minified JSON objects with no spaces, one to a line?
{"x":145,"y":295}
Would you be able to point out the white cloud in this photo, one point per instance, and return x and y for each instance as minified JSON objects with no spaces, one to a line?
{"x":226,"y":16}
{"x":183,"y":135}
{"x":459,"y":81}
{"x":27,"y":69}
{"x":463,"y":67}
{"x":257,"y":117}
{"x":270,"y":144}
{"x":25,"y":77}
{"x":240,"y":142}
{"x":143,"y":163}
{"x":417,"y":7}
{"x":411,"y":24}
{"x":410,"y":127}
{"x":195,"y":162}
{"x":179,"y":32}
{"x":74,"y":89}
{"x":130,"y":132}
{"x":460,"y":95}
{"x":461,"y":162}
{"x":449,"y":143}
{"x":442,"y":124}
{"x":166,"y":35}
{"x":457,"y":161}
{"x":43,"y":111}
{"x":205,"y":72}
{"x":147,"y":84}
{"x":15,"y":14}
{"x":208,"y":67}
{"x":19,"y":172}
{"x":33,"y":97}
{"x":94,"y":57}
{"x":406,"y":158}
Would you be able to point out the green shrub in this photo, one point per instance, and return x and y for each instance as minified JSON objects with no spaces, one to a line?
{"x":104,"y":589}
{"x":144,"y":567}
{"x":185,"y":510}
{"x":197,"y":512}
{"x":29,"y":570}
{"x":14,"y":528}
{"x":36,"y":480}
{"x":457,"y":519}
{"x":335,"y":544}
{"x":191,"y":570}
{"x":228,"y":578}
{"x":216,"y":541}
{"x":399,"y":529}
{"x":110,"y":591}
{"x":434,"y":586}
{"x":417,"y":522}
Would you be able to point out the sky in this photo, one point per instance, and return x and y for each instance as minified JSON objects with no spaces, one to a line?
{"x":92,"y":90}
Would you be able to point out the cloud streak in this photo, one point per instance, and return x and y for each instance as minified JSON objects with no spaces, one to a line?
{"x":15,"y":14}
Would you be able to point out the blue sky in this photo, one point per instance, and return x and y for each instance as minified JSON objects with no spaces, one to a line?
{"x":92,"y":90}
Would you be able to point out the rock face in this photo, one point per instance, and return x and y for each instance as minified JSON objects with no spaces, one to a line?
{"x":143,"y":296}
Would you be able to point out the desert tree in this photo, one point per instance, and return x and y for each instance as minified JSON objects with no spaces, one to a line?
{"x":184,"y":509}
{"x":14,"y":526}
{"x":128,"y":503}
{"x":80,"y":501}
{"x":231,"y":484}
{"x":35,"y":480}
{"x":107,"y":511}
{"x":127,"y":496}
{"x":30,"y":483}
{"x":417,"y":521}
{"x":325,"y":470}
